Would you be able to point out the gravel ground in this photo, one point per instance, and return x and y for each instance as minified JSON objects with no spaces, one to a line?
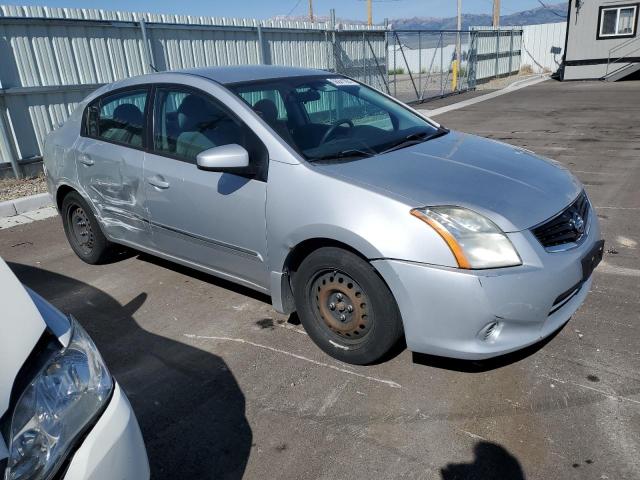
{"x":10,"y":188}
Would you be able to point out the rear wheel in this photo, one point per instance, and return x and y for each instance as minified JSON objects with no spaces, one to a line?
{"x":345,"y":306}
{"x":82,"y":230}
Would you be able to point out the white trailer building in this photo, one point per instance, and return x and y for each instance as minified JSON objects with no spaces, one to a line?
{"x":602,"y":41}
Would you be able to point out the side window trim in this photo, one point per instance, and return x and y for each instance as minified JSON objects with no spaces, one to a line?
{"x":98,"y":101}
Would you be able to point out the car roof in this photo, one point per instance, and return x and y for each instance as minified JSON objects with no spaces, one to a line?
{"x":247,"y":73}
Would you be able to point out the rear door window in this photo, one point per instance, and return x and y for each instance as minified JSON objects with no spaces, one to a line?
{"x":119,"y":118}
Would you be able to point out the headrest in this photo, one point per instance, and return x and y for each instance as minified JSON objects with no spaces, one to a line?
{"x":194,"y":112}
{"x":267,"y":110}
{"x":128,"y":113}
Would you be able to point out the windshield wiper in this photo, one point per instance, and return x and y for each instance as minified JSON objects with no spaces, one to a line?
{"x":351,"y":152}
{"x":415,"y":138}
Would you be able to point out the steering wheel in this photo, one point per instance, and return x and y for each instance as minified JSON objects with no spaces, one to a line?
{"x":329,"y":133}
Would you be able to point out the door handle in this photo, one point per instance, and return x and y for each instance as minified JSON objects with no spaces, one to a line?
{"x":158,"y":182}
{"x":85,"y":159}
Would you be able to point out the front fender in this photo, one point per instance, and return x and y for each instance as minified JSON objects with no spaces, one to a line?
{"x":305,"y":204}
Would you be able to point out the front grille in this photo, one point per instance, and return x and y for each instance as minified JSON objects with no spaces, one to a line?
{"x":567,"y":227}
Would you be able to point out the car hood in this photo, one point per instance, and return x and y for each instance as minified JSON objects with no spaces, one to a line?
{"x":513,"y":187}
{"x":21,"y":326}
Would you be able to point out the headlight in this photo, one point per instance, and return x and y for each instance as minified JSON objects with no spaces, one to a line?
{"x":56,"y":407}
{"x":475,"y":241}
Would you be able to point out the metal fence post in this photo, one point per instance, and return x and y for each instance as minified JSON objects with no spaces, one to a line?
{"x":441,"y":64}
{"x":364,"y":60}
{"x":395,"y":69}
{"x":386,"y":53}
{"x":147,"y":48}
{"x":332,"y":20}
{"x":511,"y":53}
{"x":8,"y":139}
{"x":261,"y":50}
{"x":497,"y":51}
{"x":420,"y":64}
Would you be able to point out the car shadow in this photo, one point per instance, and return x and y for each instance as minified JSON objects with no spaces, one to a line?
{"x":491,"y":462}
{"x":293,"y":319}
{"x":190,"y":407}
{"x":479,"y":366}
{"x":204,"y":277}
{"x":458,"y":365}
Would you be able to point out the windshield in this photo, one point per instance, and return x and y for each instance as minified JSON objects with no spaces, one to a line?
{"x":334,"y":117}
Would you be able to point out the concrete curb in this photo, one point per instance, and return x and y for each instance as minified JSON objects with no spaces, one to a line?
{"x":22,"y":205}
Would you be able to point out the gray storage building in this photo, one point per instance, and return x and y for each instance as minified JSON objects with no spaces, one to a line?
{"x":602,"y":41}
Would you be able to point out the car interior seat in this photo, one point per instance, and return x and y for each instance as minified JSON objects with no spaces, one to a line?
{"x":127,"y":125}
{"x":269,"y":112}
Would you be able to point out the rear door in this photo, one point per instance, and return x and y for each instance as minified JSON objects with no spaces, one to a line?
{"x":109,"y":157}
{"x":215,"y":220}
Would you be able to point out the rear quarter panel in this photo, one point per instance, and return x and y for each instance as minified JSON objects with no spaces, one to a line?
{"x":59,"y":155}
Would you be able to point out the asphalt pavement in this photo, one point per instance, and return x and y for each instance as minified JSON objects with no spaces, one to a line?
{"x":225,"y":388}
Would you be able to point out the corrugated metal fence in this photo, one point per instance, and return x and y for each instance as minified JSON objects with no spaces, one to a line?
{"x":51,"y":58}
{"x":543,"y":46}
{"x":496,"y":52}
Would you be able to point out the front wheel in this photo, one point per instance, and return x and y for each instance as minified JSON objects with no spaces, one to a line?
{"x":345,"y":307}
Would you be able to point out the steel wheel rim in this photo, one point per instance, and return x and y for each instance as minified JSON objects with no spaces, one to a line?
{"x":81,"y":229}
{"x":341,"y":305}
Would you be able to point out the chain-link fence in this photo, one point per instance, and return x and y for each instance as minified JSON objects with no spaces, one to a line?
{"x":417,"y":65}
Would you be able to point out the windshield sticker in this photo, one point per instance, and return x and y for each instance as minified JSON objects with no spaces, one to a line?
{"x":341,"y":82}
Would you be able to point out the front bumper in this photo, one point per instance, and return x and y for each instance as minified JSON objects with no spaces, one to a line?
{"x":451,"y":312}
{"x":113,"y":448}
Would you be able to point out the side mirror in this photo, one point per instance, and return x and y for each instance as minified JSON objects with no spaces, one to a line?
{"x":227,"y":158}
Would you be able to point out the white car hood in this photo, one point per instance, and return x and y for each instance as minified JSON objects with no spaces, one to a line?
{"x":21,"y":326}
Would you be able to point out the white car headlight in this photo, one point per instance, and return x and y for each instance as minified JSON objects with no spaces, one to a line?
{"x":64,"y":398}
{"x":475,"y":241}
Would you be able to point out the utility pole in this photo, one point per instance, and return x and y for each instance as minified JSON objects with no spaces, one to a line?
{"x":496,"y":14}
{"x":458,"y":27}
{"x":311,"y":11}
{"x":369,"y":13}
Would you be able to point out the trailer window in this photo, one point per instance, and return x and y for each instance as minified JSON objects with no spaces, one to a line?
{"x":618,"y":21}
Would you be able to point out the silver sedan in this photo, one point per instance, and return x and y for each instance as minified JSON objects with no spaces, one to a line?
{"x":371,"y":221}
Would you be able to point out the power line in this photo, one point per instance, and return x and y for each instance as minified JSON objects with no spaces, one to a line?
{"x":294,"y":7}
{"x":551,"y":10}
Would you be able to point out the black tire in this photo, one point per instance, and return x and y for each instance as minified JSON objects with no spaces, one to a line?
{"x":345,"y":307}
{"x":82,"y":230}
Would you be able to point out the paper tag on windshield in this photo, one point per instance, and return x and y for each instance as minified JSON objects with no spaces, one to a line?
{"x":342,"y":82}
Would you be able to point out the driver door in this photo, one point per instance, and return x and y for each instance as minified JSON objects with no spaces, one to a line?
{"x":214,"y":220}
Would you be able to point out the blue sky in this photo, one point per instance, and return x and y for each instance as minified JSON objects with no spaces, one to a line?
{"x":352,"y":9}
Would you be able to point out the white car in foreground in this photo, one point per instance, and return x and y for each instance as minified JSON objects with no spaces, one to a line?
{"x":62,"y":415}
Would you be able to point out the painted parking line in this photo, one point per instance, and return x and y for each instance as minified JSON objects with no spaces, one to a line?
{"x":388,"y":383}
{"x":482,"y":98}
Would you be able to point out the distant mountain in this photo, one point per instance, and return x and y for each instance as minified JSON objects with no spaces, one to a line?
{"x":554,"y":13}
